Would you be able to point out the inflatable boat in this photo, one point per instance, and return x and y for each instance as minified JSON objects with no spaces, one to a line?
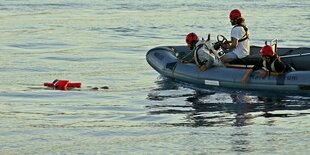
{"x":166,"y":60}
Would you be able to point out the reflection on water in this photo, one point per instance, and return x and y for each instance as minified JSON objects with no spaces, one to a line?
{"x":210,"y":108}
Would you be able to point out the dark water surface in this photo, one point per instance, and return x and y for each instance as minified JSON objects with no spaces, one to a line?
{"x":103,"y":43}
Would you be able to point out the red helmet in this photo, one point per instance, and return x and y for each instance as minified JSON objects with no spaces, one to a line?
{"x":191,"y":37}
{"x":235,"y":14}
{"x":267,"y":51}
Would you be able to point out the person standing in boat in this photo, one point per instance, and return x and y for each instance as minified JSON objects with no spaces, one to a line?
{"x":270,"y":65}
{"x":239,"y":46}
{"x":202,"y":57}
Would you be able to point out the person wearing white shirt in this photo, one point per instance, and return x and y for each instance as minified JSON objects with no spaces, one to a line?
{"x":239,"y":46}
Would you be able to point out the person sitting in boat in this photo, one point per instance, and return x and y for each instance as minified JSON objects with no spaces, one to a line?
{"x":270,"y":65}
{"x":239,"y":46}
{"x":202,"y":57}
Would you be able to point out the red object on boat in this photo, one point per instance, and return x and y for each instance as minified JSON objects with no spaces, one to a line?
{"x":63,"y":84}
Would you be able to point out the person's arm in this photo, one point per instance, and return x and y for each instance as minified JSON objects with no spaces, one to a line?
{"x":246,"y":76}
{"x":236,"y":33}
{"x":234,"y":43}
{"x":264,"y":73}
{"x":256,"y":67}
{"x":202,"y":56}
{"x":230,"y":45}
{"x":276,"y":73}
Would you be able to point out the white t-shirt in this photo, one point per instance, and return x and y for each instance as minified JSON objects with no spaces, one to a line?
{"x":243,"y":48}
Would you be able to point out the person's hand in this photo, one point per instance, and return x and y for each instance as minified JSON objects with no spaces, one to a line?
{"x":263,"y":73}
{"x":203,"y":68}
{"x":226,"y":45}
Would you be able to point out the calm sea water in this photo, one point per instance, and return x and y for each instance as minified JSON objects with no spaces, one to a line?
{"x":103,"y":43}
